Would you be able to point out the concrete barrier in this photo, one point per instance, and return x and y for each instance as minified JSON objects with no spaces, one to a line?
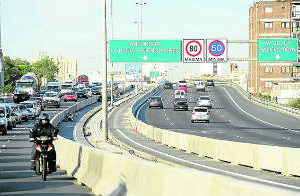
{"x":103,"y":171}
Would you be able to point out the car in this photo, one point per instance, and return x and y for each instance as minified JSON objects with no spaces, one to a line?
{"x":155,"y":101}
{"x":33,"y":107}
{"x":96,"y":84}
{"x":11,"y":120}
{"x":168,"y":85}
{"x":200,"y":86}
{"x":24,"y":112}
{"x":204,"y":101}
{"x":197,"y":82}
{"x":30,"y":109}
{"x":51,"y":98}
{"x":82,"y":93}
{"x":71,"y":96}
{"x":210,"y":83}
{"x":179,"y":94}
{"x":182,"y":87}
{"x":96,"y":90}
{"x":39,"y":100}
{"x":3,"y":120}
{"x":200,"y":114}
{"x":89,"y":92}
{"x":16,"y":112}
{"x":181,"y":103}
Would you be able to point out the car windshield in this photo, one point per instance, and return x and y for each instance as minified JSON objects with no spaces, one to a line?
{"x":70,"y":93}
{"x":66,"y":86}
{"x":204,"y":98}
{"x":180,"y":100}
{"x":200,"y":110}
{"x":22,"y":107}
{"x":28,"y":105}
{"x":81,"y":90}
{"x":2,"y":112}
{"x":95,"y":88}
{"x":50,"y":94}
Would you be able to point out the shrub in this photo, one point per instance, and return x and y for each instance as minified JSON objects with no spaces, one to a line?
{"x":295,"y":103}
{"x":265,"y":96}
{"x":7,"y":89}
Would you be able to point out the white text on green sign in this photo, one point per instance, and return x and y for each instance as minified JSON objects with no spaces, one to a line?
{"x":145,"y":51}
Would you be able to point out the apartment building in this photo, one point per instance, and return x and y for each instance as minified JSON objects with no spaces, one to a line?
{"x":272,"y":19}
{"x":67,"y":68}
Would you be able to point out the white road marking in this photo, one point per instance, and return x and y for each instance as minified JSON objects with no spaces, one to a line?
{"x":168,"y":119}
{"x":3,"y":146}
{"x":256,"y":117}
{"x":211,"y":168}
{"x":171,"y":124}
{"x":8,"y":141}
{"x":14,"y":136}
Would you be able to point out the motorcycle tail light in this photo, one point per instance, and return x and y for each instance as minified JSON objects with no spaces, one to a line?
{"x":193,"y":113}
{"x":50,"y":147}
{"x":38,"y":147}
{"x":208,"y":113}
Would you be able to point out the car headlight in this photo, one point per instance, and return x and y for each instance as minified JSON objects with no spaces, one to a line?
{"x":2,"y":122}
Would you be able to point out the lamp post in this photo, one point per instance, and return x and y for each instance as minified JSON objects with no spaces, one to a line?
{"x":141,"y":3}
{"x":1,"y":59}
{"x":112,"y":64}
{"x":104,"y":73}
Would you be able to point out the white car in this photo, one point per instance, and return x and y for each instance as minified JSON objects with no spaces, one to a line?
{"x":200,"y":114}
{"x":179,"y":94}
{"x":204,"y":101}
{"x":200,"y":86}
{"x":51,"y":98}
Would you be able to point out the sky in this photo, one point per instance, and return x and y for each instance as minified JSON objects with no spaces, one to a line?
{"x":72,"y":28}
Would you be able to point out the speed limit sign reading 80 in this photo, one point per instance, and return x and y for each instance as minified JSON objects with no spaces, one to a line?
{"x":193,"y":50}
{"x":216,"y":51}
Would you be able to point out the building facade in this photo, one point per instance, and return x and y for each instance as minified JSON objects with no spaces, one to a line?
{"x":67,"y":68}
{"x":272,"y":19}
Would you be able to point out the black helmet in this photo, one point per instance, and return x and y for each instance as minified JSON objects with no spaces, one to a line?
{"x":45,"y":116}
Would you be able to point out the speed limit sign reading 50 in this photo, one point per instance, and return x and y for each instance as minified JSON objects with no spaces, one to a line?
{"x":193,"y":50}
{"x":216,"y":50}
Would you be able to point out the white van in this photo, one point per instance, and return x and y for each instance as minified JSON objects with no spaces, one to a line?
{"x":179,"y":94}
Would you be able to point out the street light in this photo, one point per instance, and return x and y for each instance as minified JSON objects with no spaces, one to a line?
{"x":104,"y":73}
{"x":1,"y":60}
{"x":112,"y":64}
{"x":141,"y":3}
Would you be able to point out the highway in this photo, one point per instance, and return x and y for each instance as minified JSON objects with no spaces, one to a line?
{"x":16,"y":178}
{"x":226,"y":123}
{"x":233,"y":118}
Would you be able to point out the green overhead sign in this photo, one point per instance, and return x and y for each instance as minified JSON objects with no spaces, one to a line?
{"x":145,"y":50}
{"x":154,"y":74}
{"x":283,"y":49}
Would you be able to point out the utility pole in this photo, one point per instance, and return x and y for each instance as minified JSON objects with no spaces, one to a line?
{"x":104,"y":73}
{"x":1,"y":59}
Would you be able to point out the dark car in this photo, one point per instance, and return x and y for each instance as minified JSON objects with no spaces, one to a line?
{"x":96,"y":90}
{"x":168,"y":85}
{"x":181,"y":103}
{"x":155,"y":101}
{"x":210,"y":83}
{"x":82,"y":93}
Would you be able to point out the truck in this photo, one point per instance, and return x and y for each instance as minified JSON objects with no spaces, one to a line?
{"x":54,"y":86}
{"x":26,"y":87}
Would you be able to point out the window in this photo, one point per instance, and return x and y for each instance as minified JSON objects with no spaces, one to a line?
{"x":285,"y":69}
{"x":268,"y":9}
{"x":268,"y":84}
{"x":268,"y":69}
{"x":268,"y":25}
{"x":285,"y":25}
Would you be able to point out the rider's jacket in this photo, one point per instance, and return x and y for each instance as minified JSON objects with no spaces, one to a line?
{"x":43,"y":130}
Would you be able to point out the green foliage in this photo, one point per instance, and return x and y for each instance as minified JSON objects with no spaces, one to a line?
{"x":7,"y":89}
{"x":14,"y":69}
{"x":45,"y":68}
{"x":265,"y":96}
{"x":295,"y":103}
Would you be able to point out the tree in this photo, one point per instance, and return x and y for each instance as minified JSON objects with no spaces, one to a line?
{"x":45,"y":68}
{"x":11,"y":71}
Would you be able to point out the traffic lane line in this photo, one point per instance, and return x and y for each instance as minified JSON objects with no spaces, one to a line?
{"x":208,"y":167}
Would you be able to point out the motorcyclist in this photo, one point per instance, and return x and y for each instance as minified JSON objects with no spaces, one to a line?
{"x":43,"y":128}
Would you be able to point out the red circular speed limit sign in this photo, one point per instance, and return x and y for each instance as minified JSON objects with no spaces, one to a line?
{"x":193,"y":48}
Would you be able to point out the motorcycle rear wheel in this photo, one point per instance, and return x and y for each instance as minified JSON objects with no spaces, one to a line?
{"x":44,"y":169}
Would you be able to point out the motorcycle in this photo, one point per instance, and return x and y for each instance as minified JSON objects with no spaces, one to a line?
{"x":43,"y":146}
